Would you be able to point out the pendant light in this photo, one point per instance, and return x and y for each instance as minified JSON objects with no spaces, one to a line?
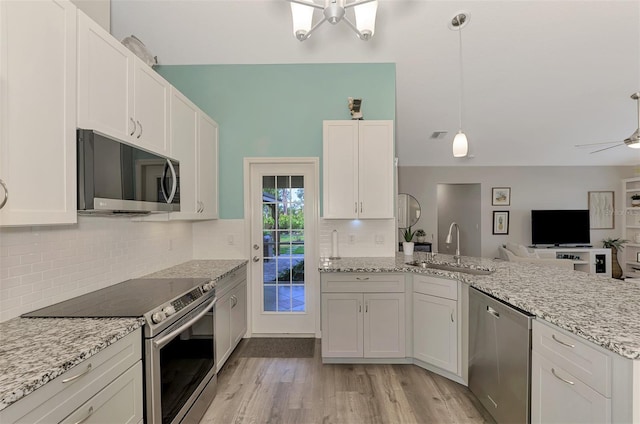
{"x":460,"y":143}
{"x":334,"y":11}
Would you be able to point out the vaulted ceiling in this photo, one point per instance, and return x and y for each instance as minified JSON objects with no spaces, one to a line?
{"x":539,"y":76}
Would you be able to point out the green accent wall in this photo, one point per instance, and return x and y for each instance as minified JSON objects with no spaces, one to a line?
{"x":277,"y":110}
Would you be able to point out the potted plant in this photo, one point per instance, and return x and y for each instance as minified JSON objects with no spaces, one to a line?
{"x":614,"y":244}
{"x":407,"y":244}
{"x":421,"y":236}
{"x":635,"y":199}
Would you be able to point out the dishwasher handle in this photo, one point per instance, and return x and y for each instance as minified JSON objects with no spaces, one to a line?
{"x":493,"y":312}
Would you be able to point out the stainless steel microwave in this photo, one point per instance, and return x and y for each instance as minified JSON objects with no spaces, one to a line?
{"x":114,"y":177}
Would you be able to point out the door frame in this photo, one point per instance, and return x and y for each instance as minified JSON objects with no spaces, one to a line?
{"x":311,"y":255}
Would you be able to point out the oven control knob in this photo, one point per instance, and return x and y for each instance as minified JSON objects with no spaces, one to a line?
{"x":208,"y":286}
{"x":169,"y":310}
{"x":158,"y":317}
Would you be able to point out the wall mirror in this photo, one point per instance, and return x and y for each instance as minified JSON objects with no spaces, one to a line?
{"x":408,"y":210}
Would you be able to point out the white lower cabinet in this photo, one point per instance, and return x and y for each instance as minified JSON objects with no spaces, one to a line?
{"x":364,"y":317}
{"x":231,"y":314}
{"x":106,"y":388}
{"x":435,"y":331}
{"x":559,"y":397}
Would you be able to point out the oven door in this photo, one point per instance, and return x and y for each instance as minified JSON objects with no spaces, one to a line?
{"x":180,"y":368}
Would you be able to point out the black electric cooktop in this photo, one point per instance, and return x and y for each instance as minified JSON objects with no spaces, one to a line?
{"x":131,"y":298}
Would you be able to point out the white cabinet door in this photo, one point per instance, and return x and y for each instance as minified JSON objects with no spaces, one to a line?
{"x":559,"y":397}
{"x":184,"y":139}
{"x":151,"y":109}
{"x":357,"y":165}
{"x":208,"y":167}
{"x":105,"y":81}
{"x":119,"y":402}
{"x":435,"y":331}
{"x":384,"y":325}
{"x":375,"y":169}
{"x":38,"y":112}
{"x":223,"y":328}
{"x":342,"y":325}
{"x":340,"y":169}
{"x":238,"y":313}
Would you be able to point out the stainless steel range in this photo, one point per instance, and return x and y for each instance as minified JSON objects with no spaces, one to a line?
{"x":179,"y":344}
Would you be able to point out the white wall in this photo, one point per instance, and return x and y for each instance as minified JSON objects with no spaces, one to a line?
{"x":98,"y":10}
{"x":531,"y":188}
{"x":40,"y":266}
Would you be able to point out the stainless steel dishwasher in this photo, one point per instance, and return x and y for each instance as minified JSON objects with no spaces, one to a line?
{"x":500,"y":358}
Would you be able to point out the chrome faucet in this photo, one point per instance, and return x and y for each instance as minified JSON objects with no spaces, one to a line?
{"x":449,"y":238}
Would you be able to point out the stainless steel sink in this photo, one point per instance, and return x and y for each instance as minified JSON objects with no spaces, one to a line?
{"x":452,"y":268}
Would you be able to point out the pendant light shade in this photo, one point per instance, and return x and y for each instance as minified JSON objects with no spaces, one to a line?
{"x":460,"y":145}
{"x":366,"y":18}
{"x":302,"y":18}
{"x":460,"y":142}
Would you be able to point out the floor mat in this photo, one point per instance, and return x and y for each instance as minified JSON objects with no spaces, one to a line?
{"x":278,"y":348}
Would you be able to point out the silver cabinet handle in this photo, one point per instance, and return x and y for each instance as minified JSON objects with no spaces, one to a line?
{"x":362,"y":278}
{"x":451,"y":316}
{"x":553,"y":336}
{"x":359,"y":307}
{"x":138,"y":122}
{"x":356,"y":207}
{"x":77,"y":376}
{"x":366,"y":307}
{"x":553,"y":371}
{"x":493,"y":312}
{"x":87,"y":417}
{"x":201,"y":207}
{"x":133,"y":131}
{"x":256,"y":259}
{"x":6,"y":194}
{"x":360,"y":207}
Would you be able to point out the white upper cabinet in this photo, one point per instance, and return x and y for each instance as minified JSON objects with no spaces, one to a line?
{"x":118,"y":94}
{"x":37,"y":112}
{"x":207,"y":157}
{"x":358,"y":178}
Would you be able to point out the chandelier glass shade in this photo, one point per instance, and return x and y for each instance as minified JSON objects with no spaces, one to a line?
{"x":334,"y":11}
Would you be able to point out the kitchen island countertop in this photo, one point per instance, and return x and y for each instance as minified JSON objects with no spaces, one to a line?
{"x":34,"y":351}
{"x":601,"y":310}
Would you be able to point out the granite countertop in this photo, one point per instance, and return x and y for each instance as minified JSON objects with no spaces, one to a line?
{"x":34,"y":351}
{"x":601,"y":310}
{"x":214,"y":269}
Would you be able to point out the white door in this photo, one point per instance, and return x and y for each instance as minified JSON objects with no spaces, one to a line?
{"x":384,"y":325}
{"x":342,"y":325}
{"x":284,"y":275}
{"x":435,"y":335}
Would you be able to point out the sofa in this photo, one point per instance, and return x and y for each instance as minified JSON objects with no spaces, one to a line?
{"x":518,"y":253}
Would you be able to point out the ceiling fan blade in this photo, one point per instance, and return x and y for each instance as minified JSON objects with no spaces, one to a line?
{"x":596,"y":144}
{"x":607,"y":148}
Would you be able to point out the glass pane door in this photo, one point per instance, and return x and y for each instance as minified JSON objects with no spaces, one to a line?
{"x":283,"y":243}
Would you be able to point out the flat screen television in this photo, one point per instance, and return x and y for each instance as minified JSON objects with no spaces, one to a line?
{"x":558,"y":227}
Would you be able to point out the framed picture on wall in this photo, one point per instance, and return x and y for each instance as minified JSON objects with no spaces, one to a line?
{"x":501,"y":196}
{"x":601,"y":210}
{"x":500,"y":222}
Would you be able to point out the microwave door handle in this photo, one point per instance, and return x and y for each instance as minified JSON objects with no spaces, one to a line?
{"x":166,"y":339}
{"x":174,"y":186}
{"x":164,"y":179}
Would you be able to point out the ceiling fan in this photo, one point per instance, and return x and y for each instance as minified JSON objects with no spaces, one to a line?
{"x":632,"y":141}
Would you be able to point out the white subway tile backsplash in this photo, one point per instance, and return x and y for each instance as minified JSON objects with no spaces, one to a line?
{"x":40,"y":266}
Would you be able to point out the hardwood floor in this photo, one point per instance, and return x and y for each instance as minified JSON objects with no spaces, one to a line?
{"x":303,"y":390}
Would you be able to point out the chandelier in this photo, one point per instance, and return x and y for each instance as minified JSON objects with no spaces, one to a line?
{"x":334,"y":12}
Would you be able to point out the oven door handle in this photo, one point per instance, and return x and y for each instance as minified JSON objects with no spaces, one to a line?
{"x":158,"y":344}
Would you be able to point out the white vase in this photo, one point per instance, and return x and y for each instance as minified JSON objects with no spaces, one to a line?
{"x":635,"y":203}
{"x":407,"y":248}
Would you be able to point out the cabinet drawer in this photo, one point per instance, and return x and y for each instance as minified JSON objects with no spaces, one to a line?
{"x":362,"y":283}
{"x":579,"y":358}
{"x":56,"y":399}
{"x":228,"y":282}
{"x":119,"y":402}
{"x":433,"y":286}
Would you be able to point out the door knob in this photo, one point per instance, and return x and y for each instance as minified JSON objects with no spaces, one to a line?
{"x":256,"y":259}
{"x":256,"y":247}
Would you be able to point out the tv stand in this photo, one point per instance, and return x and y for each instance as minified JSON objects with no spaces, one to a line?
{"x":595,"y":261}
